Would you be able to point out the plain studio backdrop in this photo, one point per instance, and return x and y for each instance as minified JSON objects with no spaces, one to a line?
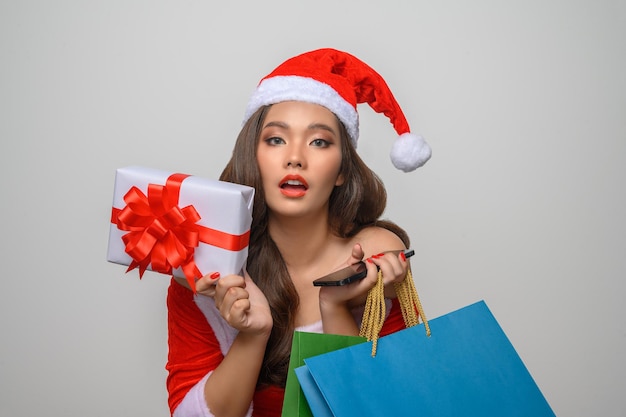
{"x":522,"y":205}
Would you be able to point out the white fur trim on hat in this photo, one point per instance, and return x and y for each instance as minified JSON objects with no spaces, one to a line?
{"x":286,"y":88}
{"x":409,"y":152}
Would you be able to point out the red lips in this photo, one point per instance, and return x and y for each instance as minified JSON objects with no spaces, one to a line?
{"x":293,"y":186}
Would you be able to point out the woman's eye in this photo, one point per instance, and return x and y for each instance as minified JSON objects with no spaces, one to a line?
{"x":274,"y":141}
{"x":320,"y":143}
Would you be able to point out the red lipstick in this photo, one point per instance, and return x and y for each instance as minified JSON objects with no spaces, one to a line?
{"x":293,"y":186}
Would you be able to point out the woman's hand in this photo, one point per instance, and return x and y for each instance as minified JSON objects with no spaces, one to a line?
{"x":239,"y":301}
{"x":337,"y":301}
{"x":393,"y":266}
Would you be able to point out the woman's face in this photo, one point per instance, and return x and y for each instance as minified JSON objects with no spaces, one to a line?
{"x":299,"y":158}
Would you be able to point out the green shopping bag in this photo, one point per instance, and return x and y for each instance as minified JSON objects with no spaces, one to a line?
{"x":306,"y":345}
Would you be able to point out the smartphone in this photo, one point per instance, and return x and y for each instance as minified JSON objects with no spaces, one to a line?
{"x":351,"y":273}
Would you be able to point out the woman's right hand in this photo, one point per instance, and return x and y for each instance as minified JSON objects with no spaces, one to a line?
{"x":240,"y":302}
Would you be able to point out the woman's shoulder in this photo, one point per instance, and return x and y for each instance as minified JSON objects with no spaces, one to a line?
{"x":376,"y":239}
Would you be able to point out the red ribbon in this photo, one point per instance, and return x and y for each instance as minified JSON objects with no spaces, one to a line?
{"x":163,"y":235}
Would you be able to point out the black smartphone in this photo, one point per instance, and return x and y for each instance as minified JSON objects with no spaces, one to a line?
{"x":351,"y":273}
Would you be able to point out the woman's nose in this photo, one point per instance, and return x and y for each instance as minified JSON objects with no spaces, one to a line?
{"x":295,"y":157}
{"x":294,"y":163}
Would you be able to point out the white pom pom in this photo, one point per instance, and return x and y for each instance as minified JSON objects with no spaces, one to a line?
{"x":409,"y":152}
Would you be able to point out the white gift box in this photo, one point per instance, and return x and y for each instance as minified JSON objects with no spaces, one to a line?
{"x":144,"y":209}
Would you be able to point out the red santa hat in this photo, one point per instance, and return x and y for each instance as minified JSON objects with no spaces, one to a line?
{"x":339,"y":81}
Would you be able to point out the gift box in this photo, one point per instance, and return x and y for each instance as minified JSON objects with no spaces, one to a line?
{"x":179,"y":224}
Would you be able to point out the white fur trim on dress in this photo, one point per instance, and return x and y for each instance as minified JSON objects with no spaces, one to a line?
{"x":292,"y":87}
{"x":194,"y":404}
{"x":224,"y":333}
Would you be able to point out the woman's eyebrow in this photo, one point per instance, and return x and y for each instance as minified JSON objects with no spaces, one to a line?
{"x":322,"y":126}
{"x":312,"y":126}
{"x":276,"y":124}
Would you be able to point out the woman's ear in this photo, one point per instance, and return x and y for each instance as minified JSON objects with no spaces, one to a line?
{"x":340,"y":180}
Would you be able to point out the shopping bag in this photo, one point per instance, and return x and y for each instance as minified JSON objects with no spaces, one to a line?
{"x":305,"y":345}
{"x":316,"y":404}
{"x":467,"y":367}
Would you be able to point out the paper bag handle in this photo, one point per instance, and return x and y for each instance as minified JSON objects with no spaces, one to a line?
{"x":375,"y":310}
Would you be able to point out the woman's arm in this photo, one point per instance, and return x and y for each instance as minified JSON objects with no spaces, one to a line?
{"x":212,"y":371}
{"x":230,"y":388}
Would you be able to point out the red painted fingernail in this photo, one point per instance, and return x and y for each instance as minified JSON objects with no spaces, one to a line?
{"x":403,"y":256}
{"x":369,"y":260}
{"x":380,"y":254}
{"x":214,"y":275}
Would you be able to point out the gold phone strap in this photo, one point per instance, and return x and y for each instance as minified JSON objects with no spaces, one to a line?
{"x":375,"y":309}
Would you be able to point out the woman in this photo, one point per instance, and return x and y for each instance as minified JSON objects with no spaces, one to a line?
{"x":317,"y":209}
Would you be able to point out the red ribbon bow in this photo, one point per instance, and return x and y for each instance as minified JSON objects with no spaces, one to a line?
{"x":162,"y":234}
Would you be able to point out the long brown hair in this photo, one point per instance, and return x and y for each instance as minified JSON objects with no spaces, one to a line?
{"x":357,"y":203}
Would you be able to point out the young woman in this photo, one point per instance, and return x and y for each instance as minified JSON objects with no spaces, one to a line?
{"x":317,"y":209}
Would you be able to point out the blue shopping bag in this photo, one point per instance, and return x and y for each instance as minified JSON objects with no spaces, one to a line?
{"x":467,"y":367}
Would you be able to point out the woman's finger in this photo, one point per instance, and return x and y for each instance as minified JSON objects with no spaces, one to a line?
{"x":226,"y":304}
{"x":392,"y":266}
{"x":206,"y":284}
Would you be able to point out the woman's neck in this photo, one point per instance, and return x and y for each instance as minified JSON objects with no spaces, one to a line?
{"x":302,"y":241}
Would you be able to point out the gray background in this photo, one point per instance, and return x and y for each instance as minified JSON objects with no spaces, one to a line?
{"x":522,"y":205}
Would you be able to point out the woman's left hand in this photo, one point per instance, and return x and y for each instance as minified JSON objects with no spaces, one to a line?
{"x":336,"y":303}
{"x":393,"y":266}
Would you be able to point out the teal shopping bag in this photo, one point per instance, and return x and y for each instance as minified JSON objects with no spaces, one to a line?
{"x":467,"y":367}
